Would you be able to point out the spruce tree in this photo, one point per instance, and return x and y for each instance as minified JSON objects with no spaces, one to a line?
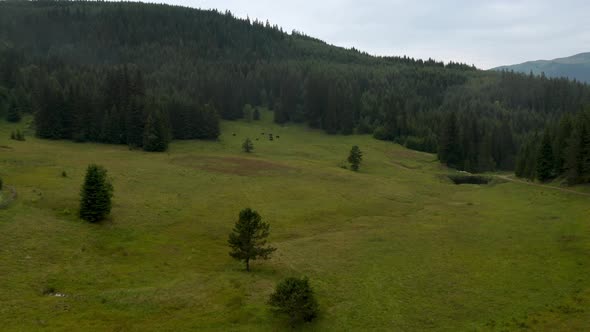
{"x":13,"y":114}
{"x":248,"y":238}
{"x":564,"y":133}
{"x":155,"y":136}
{"x":586,"y":153}
{"x":210,"y":122}
{"x":248,"y":146}
{"x":248,"y":112}
{"x":578,"y":150}
{"x":544,"y":167}
{"x":450,"y":148}
{"x":96,"y":194}
{"x":295,"y":297}
{"x":355,"y":158}
{"x":134,"y":122}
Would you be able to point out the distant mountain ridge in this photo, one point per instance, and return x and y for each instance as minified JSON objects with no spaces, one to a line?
{"x":574,"y":67}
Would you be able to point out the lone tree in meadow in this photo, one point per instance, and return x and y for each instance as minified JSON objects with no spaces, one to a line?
{"x":248,"y":146}
{"x":355,"y":158}
{"x":294,"y":297}
{"x":248,"y":238}
{"x":97,"y":191}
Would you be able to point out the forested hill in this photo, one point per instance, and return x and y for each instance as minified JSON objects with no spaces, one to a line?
{"x":576,"y":67}
{"x":139,"y":74}
{"x":113,"y":33}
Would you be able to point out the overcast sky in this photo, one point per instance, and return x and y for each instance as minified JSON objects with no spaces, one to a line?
{"x":485,"y":33}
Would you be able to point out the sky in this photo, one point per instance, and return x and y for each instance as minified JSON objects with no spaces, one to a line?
{"x":486,"y":33}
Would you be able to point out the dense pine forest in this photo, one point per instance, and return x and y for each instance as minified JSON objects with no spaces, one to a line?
{"x":142,"y":74}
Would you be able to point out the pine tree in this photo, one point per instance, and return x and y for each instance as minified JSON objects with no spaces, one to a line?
{"x":586,"y":152}
{"x":96,"y":194}
{"x":134,"y":122}
{"x":155,"y":136}
{"x":295,"y":297}
{"x":248,"y":146}
{"x":19,"y":136}
{"x":544,"y":169}
{"x":564,"y":133}
{"x":248,"y":112}
{"x":578,"y":153}
{"x":355,"y":158}
{"x":210,"y":123}
{"x":13,"y":114}
{"x":248,"y":238}
{"x":450,"y":147}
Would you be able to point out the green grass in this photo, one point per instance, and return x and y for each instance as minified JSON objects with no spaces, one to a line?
{"x":396,"y":246}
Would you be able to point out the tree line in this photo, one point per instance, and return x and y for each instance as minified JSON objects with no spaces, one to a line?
{"x":561,"y":150}
{"x":111,"y":105}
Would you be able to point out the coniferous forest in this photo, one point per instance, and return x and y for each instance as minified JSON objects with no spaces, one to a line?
{"x":143,"y":74}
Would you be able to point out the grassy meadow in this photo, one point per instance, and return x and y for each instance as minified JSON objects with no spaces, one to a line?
{"x":395,"y":247}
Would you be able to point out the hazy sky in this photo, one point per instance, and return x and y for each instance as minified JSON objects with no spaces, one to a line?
{"x":485,"y":33}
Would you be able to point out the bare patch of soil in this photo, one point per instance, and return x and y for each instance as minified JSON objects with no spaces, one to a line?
{"x":231,"y":165}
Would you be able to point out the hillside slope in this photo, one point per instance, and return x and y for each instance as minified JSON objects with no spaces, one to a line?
{"x":574,"y":67}
{"x":396,"y":246}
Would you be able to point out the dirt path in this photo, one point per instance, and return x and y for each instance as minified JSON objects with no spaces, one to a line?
{"x":565,"y":190}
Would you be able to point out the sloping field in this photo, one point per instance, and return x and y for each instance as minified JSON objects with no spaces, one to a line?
{"x":395,"y":247}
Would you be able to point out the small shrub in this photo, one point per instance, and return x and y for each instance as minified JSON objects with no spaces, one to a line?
{"x":295,"y":297}
{"x":48,"y":290}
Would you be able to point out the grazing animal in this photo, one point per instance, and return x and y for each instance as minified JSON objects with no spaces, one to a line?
{"x":234,"y":134}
